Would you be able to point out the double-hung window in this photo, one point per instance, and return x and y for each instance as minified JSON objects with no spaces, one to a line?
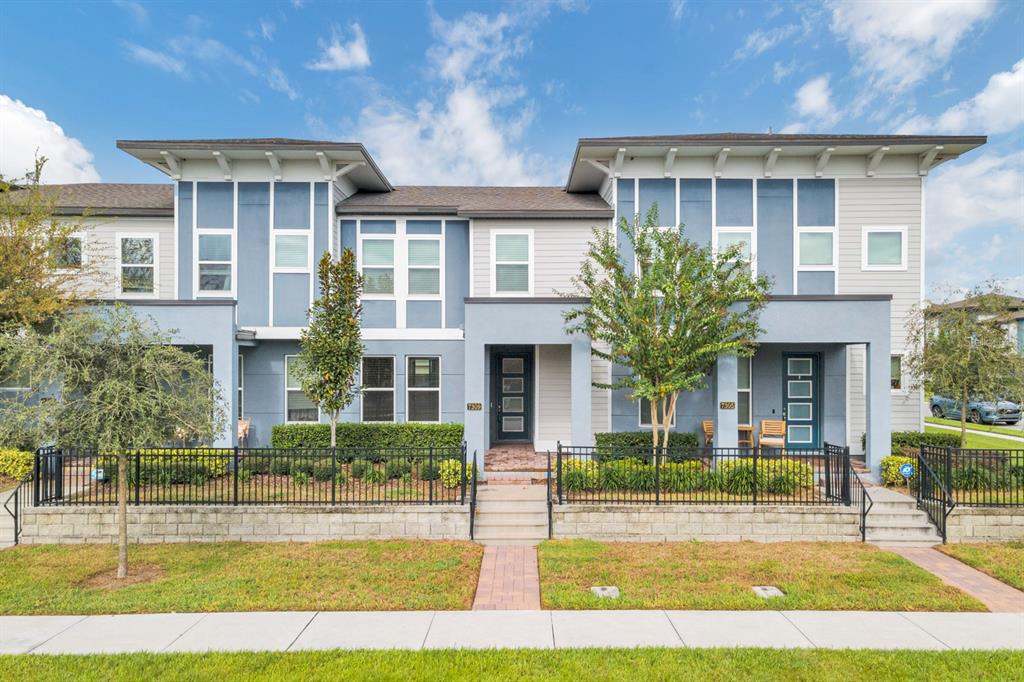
{"x":884,"y":248}
{"x":816,"y":243}
{"x":137,"y":265}
{"x":423,"y":389}
{"x":424,"y":267}
{"x":378,"y":378}
{"x":215,"y":263}
{"x":298,"y":407}
{"x":378,"y":261}
{"x":645,"y":413}
{"x":512,"y":255}
{"x":734,"y":220}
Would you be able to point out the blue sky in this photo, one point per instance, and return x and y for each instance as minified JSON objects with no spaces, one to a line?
{"x":491,"y":93}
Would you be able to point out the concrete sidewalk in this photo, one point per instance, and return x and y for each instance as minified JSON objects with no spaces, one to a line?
{"x":294,"y":631}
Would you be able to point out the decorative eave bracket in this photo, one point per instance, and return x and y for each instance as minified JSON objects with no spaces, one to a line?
{"x":821,"y":161}
{"x":720,"y":158}
{"x":769,"y":161}
{"x":173,"y":164}
{"x":224,"y":163}
{"x":875,"y":159}
{"x":275,"y":164}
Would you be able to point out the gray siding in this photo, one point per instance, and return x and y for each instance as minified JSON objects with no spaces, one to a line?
{"x":291,"y":299}
{"x":184,"y":239}
{"x":101,"y":250}
{"x":554,"y":406}
{"x":253,"y":253}
{"x":775,"y":233}
{"x":456,"y":271}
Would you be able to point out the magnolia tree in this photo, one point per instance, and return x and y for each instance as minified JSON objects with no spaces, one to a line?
{"x":113,"y":381}
{"x":669,"y":315}
{"x":332,"y":345}
{"x":963,"y":351}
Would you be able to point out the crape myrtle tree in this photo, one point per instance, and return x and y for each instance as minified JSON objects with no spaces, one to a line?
{"x":105,"y":378}
{"x":332,"y":344}
{"x":668,"y":316}
{"x":963,"y":351}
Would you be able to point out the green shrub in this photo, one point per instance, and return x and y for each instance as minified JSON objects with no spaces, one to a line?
{"x":682,"y":477}
{"x":301,"y":478}
{"x":451,"y":473}
{"x":902,"y":440}
{"x":303,"y":465}
{"x":615,"y":475}
{"x":363,"y":468}
{"x":891,"y":469}
{"x":374,"y":476}
{"x":281,"y":466}
{"x":16,"y":464}
{"x":427,"y":470}
{"x":642,"y":479}
{"x":642,"y":439}
{"x":975,"y":477}
{"x":255,"y":465}
{"x":579,"y":475}
{"x":177,"y":469}
{"x":244,"y":475}
{"x":396,"y":468}
{"x":323,"y":470}
{"x":367,"y":435}
{"x":738,"y":476}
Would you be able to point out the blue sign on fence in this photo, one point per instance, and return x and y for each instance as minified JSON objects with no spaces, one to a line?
{"x":907,"y":470}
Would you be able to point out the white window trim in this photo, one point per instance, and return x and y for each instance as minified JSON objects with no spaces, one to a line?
{"x":241,"y":387}
{"x":393,"y":238}
{"x":798,"y":229}
{"x":393,"y":389}
{"x":81,"y":237}
{"x":733,"y":229}
{"x":530,"y":262}
{"x":276,"y":269}
{"x":868,"y":229}
{"x":903,"y":389}
{"x":749,"y":391}
{"x":155,"y":237}
{"x":439,"y":238}
{"x":287,"y":390}
{"x":409,"y":389}
{"x":817,"y":229}
{"x":639,"y":415}
{"x":232,"y":231}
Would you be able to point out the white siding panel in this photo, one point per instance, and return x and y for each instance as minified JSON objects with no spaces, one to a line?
{"x":101,"y":250}
{"x":600,"y":398}
{"x":554,"y":404}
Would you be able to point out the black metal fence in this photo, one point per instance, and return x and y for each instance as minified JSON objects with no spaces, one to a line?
{"x":618,"y":475}
{"x":253,"y":476}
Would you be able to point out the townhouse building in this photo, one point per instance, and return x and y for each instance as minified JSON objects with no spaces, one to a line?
{"x":464,"y":286}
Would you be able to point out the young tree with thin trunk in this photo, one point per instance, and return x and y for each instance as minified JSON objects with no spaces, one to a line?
{"x":669,"y":316}
{"x":963,"y":351}
{"x":332,"y":345}
{"x":107,"y":379}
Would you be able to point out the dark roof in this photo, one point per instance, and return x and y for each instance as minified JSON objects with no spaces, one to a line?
{"x":113,"y":199}
{"x":772,"y":138}
{"x":240,"y":143}
{"x":480,"y":202}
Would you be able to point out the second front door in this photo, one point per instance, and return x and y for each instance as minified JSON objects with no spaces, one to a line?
{"x":512,"y":395}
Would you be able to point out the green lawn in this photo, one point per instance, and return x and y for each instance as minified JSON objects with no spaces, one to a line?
{"x":1003,"y":561}
{"x":746,"y":665}
{"x":985,"y":428}
{"x":719,"y":575}
{"x":979,"y":440}
{"x":329,"y":576}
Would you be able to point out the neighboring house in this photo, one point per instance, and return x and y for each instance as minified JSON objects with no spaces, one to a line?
{"x":462,"y":320}
{"x":1014,"y":322}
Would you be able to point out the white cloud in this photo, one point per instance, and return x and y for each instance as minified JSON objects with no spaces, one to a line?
{"x":763,"y":40}
{"x":813,"y":106}
{"x":25,"y":132}
{"x":160,"y":60}
{"x":471,"y":132}
{"x":338,"y":56}
{"x":677,"y":8}
{"x":135,"y":10}
{"x":267,"y":29}
{"x":896,"y":45}
{"x":780,"y":70}
{"x":278,"y":81}
{"x":998,"y":108}
{"x":986,"y":192}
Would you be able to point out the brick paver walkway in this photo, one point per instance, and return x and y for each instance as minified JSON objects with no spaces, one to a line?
{"x":515,"y":457}
{"x":998,"y":597}
{"x":508,"y":579}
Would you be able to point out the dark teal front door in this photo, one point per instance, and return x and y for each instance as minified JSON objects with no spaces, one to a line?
{"x":801,"y":401}
{"x":512,"y":396}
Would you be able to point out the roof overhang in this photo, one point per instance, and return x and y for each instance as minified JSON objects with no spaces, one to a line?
{"x":336,"y":159}
{"x":343,"y":209}
{"x":598,"y":158}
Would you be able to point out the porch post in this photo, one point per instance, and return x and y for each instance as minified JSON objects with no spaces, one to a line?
{"x":726,"y":420}
{"x":878,"y":416}
{"x":475,"y":372}
{"x":225,"y":373}
{"x":579,"y":392}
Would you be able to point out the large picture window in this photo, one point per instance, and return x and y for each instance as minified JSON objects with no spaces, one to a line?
{"x":378,"y":389}
{"x":423,"y":389}
{"x":511,"y":256}
{"x":137,"y":264}
{"x":298,"y":408}
{"x":379,"y":266}
{"x":215,"y":262}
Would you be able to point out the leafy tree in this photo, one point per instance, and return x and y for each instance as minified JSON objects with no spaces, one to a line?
{"x":35,"y":285}
{"x":963,"y":350}
{"x":110,"y":380}
{"x":332,"y":345}
{"x":669,"y":318}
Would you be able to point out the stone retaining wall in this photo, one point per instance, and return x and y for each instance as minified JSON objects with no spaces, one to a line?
{"x":721,"y":523}
{"x":75,"y":525}
{"x":985,"y":524}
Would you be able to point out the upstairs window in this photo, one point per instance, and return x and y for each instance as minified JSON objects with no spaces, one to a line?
{"x":743,"y":239}
{"x":816,"y":248}
{"x":69,"y":253}
{"x":884,"y":248}
{"x":215,"y":262}
{"x":511,"y":255}
{"x":424,"y":267}
{"x":137,"y":265}
{"x":291,"y":252}
{"x":379,"y":266}
{"x":378,"y":389}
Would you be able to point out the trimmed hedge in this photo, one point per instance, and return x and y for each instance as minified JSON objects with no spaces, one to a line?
{"x":15,"y":464}
{"x":891,"y":469}
{"x":642,"y":439}
{"x":363,"y":435}
{"x":912,"y":440}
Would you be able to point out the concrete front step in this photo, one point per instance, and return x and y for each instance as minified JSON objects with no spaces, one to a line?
{"x":903,"y":532}
{"x":511,"y":532}
{"x":897,"y":517}
{"x":488,"y":520}
{"x":887,"y":542}
{"x":500,"y":543}
{"x":487,"y":493}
